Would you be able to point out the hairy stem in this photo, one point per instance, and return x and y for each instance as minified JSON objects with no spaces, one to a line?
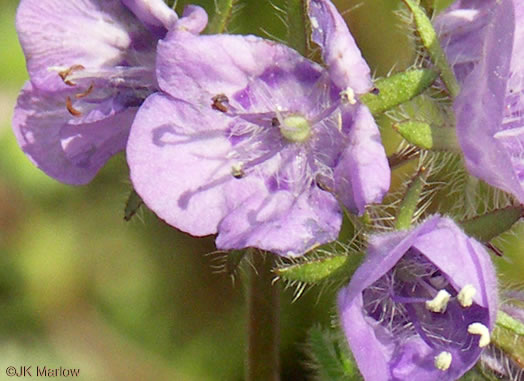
{"x":263,"y":357}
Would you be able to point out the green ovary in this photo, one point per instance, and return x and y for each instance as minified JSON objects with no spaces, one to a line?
{"x":295,"y":128}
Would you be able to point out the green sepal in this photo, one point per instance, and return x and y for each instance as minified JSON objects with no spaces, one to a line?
{"x":409,"y":203}
{"x":332,"y":360}
{"x":397,"y":89}
{"x":508,"y":335}
{"x":133,"y":203}
{"x":234,"y":257}
{"x":431,"y":43}
{"x":487,"y":226}
{"x":426,"y":136}
{"x":506,"y":321}
{"x":313,"y":271}
{"x":297,"y":29}
{"x":170,"y":3}
{"x":222,"y":16}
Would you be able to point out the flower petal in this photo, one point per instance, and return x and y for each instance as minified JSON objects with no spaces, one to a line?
{"x":393,"y":339}
{"x":194,"y":19}
{"x":186,"y":149}
{"x":155,"y":14}
{"x":445,"y":246}
{"x":178,"y":158}
{"x":341,"y":54}
{"x":282,"y":223}
{"x":461,"y":31}
{"x":56,"y":35}
{"x":486,"y":106}
{"x":66,"y":150}
{"x":481,"y":103}
{"x":197,"y":68}
{"x":363,"y":175}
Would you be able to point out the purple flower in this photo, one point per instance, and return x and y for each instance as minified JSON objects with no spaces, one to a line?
{"x":484,"y":40}
{"x":253,"y":141}
{"x":91,"y":64}
{"x":421,"y":306}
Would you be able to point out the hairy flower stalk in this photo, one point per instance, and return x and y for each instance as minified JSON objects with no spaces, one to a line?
{"x":421,"y":306}
{"x":253,"y":141}
{"x":484,"y":43}
{"x":91,"y":65}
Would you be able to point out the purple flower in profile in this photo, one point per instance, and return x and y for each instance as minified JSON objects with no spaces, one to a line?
{"x":253,"y":141}
{"x":484,"y":41}
{"x":91,"y":64}
{"x":421,"y":306}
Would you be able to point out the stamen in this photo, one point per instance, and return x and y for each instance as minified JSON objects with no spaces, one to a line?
{"x":86,"y":93}
{"x":237,"y":170}
{"x":314,"y":22}
{"x":407,"y":299}
{"x":67,"y":72}
{"x":323,"y":186}
{"x":439,"y":302}
{"x":218,"y":102}
{"x":73,"y":111}
{"x":481,"y":330}
{"x":465,"y":296}
{"x":443,"y":360}
{"x":348,"y":96}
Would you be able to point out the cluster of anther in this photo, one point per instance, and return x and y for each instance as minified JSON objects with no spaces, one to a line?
{"x":415,"y":298}
{"x":65,"y":75}
{"x":129,"y":85}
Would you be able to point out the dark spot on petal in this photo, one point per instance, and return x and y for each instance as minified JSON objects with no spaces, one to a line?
{"x":273,"y":76}
{"x":306,"y":72}
{"x":275,"y":122}
{"x":242,"y":97}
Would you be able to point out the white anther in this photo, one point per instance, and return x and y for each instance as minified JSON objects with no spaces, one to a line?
{"x":439,"y":302}
{"x":443,"y":360}
{"x":314,"y":22}
{"x":348,"y":96}
{"x":465,"y":296}
{"x":481,"y":330}
{"x":237,"y":170}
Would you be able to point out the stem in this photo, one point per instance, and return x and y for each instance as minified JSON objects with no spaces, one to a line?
{"x":263,"y":357}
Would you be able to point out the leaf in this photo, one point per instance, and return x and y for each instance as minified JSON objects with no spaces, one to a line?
{"x":133,"y":203}
{"x":487,"y":226}
{"x":321,"y":269}
{"x":508,"y":335}
{"x":333,"y":361}
{"x":427,"y":137}
{"x":397,"y":89}
{"x":297,"y":30}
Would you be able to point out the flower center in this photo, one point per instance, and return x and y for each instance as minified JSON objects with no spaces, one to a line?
{"x":295,"y":128}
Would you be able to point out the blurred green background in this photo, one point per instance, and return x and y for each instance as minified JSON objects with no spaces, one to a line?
{"x":81,"y":288}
